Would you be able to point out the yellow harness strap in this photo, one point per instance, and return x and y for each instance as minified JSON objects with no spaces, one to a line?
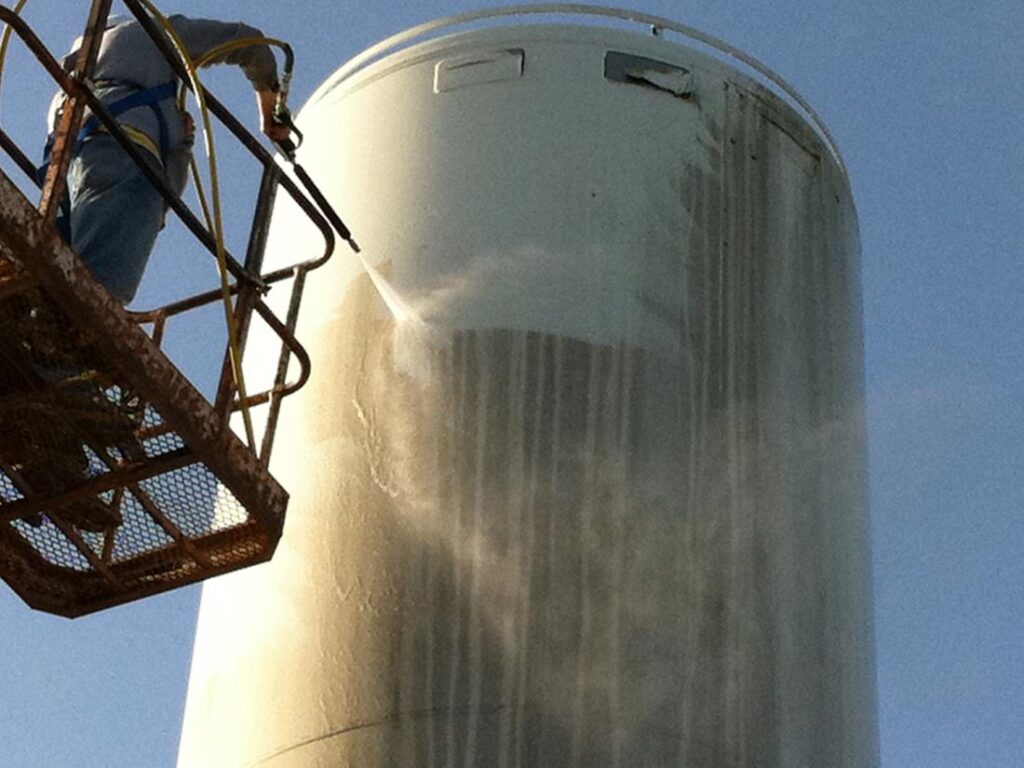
{"x":139,"y":137}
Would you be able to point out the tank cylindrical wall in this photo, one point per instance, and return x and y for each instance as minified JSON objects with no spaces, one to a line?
{"x":579,"y":479}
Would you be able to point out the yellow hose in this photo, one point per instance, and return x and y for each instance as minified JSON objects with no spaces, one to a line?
{"x":224,"y":48}
{"x":220,"y":50}
{"x":5,"y":38}
{"x":199,"y":63}
{"x":289,"y":60}
{"x":200,"y":192}
{"x":234,"y":350}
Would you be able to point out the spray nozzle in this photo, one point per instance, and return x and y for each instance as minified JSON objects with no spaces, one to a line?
{"x":283,"y":115}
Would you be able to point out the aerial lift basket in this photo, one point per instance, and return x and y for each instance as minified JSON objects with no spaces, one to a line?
{"x":118,"y":479}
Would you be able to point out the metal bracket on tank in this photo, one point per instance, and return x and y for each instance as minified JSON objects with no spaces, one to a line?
{"x":630,"y":68}
{"x":476,"y":68}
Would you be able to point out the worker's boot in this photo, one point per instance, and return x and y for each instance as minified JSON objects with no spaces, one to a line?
{"x":52,"y":405}
{"x":93,"y":515}
{"x":43,"y":444}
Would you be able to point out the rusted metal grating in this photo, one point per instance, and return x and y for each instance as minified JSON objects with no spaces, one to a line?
{"x":117,"y":478}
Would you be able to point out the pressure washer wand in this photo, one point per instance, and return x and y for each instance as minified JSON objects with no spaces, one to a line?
{"x":283,"y":116}
{"x":288,"y":147}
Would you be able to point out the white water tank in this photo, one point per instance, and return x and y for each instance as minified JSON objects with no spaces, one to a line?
{"x":579,"y":479}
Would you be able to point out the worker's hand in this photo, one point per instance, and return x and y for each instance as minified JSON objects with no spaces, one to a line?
{"x":274,"y":130}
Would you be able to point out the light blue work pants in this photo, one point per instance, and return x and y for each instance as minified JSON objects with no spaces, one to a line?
{"x":115,"y":214}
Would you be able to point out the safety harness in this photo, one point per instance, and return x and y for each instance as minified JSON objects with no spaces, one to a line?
{"x":140,"y":97}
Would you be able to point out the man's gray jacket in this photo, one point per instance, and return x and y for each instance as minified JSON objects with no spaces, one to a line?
{"x":129,"y":61}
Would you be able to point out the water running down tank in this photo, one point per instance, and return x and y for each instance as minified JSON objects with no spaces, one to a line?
{"x":580,"y":476}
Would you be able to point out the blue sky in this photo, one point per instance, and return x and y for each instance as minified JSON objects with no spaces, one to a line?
{"x":926,"y":101}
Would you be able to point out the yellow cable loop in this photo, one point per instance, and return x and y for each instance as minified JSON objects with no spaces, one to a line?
{"x":201,"y":62}
{"x":200,"y":192}
{"x":233,"y":346}
{"x":224,"y":48}
{"x":5,"y":38}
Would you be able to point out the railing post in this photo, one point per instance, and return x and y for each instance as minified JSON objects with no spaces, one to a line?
{"x":74,"y":107}
{"x":248,"y":294}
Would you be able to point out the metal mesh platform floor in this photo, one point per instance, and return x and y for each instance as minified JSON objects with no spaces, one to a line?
{"x":117,"y":478}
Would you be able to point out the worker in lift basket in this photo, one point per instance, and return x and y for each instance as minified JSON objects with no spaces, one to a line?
{"x":114,"y":212}
{"x":112,"y":215}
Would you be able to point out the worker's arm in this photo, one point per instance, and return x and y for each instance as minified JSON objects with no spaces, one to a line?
{"x":256,"y":61}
